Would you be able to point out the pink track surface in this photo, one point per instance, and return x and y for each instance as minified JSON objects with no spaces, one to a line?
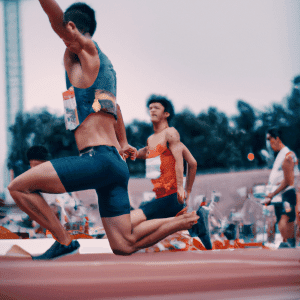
{"x":224,"y":274}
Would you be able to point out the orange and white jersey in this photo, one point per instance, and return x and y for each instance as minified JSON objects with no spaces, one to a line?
{"x":160,"y":168}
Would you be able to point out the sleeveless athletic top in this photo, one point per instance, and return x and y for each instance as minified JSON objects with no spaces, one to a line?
{"x":160,"y":168}
{"x":101,"y":95}
{"x":277,"y":175}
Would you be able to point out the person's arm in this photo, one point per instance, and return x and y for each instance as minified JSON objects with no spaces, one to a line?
{"x":120,"y":128}
{"x":55,"y":15}
{"x":173,"y":139}
{"x":142,"y":153}
{"x":288,"y":173}
{"x":126,"y":149}
{"x":191,"y":170}
{"x":67,"y":32}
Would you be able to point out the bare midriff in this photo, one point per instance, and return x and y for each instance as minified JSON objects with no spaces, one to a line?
{"x":97,"y":129}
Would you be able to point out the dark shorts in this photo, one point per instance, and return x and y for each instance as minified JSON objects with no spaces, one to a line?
{"x":100,"y":168}
{"x":168,"y":206}
{"x":290,"y":197}
{"x":164,"y":207}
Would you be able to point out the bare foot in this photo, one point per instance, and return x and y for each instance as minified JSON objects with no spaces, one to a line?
{"x":183,"y":211}
{"x":187,"y":220}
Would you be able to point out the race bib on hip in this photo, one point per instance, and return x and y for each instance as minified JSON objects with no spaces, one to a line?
{"x":70,"y":109}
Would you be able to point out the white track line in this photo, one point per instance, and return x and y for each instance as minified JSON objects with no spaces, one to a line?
{"x":42,"y":264}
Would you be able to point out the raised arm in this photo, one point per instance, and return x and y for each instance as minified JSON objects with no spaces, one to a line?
{"x":191,"y":170}
{"x":173,"y":139}
{"x":66,"y":31}
{"x":55,"y":15}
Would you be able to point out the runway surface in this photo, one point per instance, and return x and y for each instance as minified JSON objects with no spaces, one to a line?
{"x":219,"y":274}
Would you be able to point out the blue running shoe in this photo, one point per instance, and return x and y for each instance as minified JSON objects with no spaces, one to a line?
{"x":58,"y":250}
{"x":201,"y":229}
{"x":284,"y":245}
{"x":206,"y":241}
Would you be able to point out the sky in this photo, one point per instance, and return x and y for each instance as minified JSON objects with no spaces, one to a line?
{"x":198,"y":53}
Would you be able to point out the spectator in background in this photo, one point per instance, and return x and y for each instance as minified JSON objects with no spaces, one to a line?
{"x":282,"y":184}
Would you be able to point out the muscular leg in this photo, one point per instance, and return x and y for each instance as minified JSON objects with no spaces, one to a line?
{"x":125,"y":239}
{"x":286,"y":228}
{"x":137,"y":216}
{"x":24,"y":190}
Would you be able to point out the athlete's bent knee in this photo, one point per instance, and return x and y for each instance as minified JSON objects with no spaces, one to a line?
{"x":14,"y":186}
{"x":11,"y":187}
{"x":124,"y":251}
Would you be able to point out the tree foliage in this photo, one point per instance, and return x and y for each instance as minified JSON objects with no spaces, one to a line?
{"x":39,"y":128}
{"x":215,"y":140}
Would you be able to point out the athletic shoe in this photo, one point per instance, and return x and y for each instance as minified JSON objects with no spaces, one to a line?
{"x":284,"y":245}
{"x":58,"y":250}
{"x":205,"y":239}
{"x":292,"y":242}
{"x":201,"y":229}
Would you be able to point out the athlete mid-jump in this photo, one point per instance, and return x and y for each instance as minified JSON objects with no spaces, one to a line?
{"x":91,"y":112}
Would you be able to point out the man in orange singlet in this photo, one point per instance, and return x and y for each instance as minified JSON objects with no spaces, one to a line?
{"x":165,"y":155}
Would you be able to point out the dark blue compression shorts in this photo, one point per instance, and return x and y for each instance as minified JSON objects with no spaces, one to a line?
{"x":164,"y":207}
{"x":100,"y":168}
{"x":169,"y":206}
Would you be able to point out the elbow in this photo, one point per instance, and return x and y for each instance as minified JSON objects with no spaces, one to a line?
{"x":288,"y":180}
{"x":194,"y":165}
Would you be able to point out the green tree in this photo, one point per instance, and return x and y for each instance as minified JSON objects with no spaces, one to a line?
{"x":39,"y":128}
{"x":293,"y":105}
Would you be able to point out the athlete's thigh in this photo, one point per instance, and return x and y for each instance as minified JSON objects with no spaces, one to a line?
{"x":41,"y":178}
{"x":137,"y":216}
{"x":118,"y":231}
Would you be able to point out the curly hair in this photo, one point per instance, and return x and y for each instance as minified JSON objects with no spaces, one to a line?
{"x":165,"y":102}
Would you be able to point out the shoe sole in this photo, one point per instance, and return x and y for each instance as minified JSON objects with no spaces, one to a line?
{"x":69,"y":253}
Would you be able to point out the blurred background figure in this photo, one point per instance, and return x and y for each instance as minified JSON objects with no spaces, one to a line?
{"x":37,"y":155}
{"x":281,"y":187}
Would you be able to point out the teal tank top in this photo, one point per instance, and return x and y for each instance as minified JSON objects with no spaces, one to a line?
{"x":100,"y":96}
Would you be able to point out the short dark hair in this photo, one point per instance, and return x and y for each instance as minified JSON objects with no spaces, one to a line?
{"x":275,"y":132}
{"x":37,"y":153}
{"x":165,"y":102}
{"x":83,"y":17}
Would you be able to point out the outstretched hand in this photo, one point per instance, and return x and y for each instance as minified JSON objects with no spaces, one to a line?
{"x":128,"y":151}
